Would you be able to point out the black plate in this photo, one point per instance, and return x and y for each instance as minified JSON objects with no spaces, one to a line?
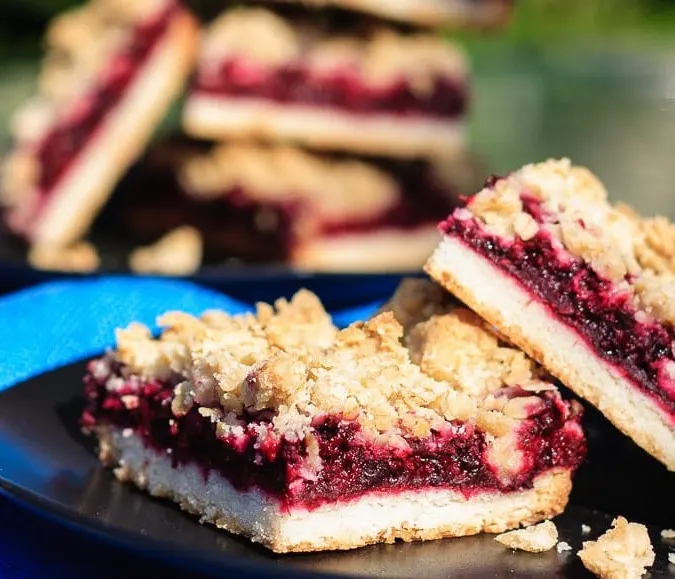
{"x":46,"y":463}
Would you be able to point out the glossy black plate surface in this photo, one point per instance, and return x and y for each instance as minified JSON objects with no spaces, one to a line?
{"x":46,"y":463}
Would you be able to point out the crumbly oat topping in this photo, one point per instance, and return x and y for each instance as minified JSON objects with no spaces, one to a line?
{"x":179,"y":252}
{"x":381,"y":57}
{"x":535,"y":539}
{"x":333,"y":189}
{"x":623,"y":552}
{"x":81,"y":257}
{"x":290,"y":360}
{"x":638,"y":254}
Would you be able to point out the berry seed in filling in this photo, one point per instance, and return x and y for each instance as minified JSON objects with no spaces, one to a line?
{"x":585,"y":287}
{"x":111,"y":71}
{"x":416,"y":424}
{"x":261,"y":75}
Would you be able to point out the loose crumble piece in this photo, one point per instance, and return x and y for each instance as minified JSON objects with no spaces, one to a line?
{"x":668,"y":534}
{"x":315,"y":438}
{"x":535,"y":539}
{"x":81,"y":257}
{"x":623,"y":552}
{"x":563,"y":546}
{"x":179,"y":252}
{"x":585,"y":529}
{"x":671,"y":558}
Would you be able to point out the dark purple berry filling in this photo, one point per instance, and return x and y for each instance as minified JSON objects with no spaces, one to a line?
{"x":582,"y":299}
{"x":58,"y":149}
{"x":352,"y":465}
{"x":298,"y":84}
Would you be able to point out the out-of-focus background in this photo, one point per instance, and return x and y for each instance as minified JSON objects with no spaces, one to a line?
{"x":591,"y":80}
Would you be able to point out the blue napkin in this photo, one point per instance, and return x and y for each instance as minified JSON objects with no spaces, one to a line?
{"x":57,"y":323}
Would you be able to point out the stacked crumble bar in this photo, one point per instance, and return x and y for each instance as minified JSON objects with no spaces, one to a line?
{"x":585,"y":287}
{"x":328,"y":136}
{"x":416,"y":424}
{"x":112,"y":69}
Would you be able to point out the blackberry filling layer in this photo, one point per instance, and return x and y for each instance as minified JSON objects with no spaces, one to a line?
{"x":352,"y":465}
{"x":297,"y":84}
{"x":586,"y":287}
{"x":304,"y":437}
{"x":71,"y":134}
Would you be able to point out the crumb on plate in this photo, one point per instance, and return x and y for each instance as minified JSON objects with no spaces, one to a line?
{"x":535,"y":539}
{"x":622,"y":552}
{"x":563,"y":546}
{"x":81,"y":257}
{"x":179,"y":252}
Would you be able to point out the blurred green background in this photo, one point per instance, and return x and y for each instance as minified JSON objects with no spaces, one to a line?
{"x":590,"y":79}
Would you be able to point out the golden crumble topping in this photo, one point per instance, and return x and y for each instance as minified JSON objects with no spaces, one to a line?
{"x":623,"y":552}
{"x":535,"y":539}
{"x":381,"y":56}
{"x":396,"y":380}
{"x":636,"y":253}
{"x":333,"y":189}
{"x":179,"y":252}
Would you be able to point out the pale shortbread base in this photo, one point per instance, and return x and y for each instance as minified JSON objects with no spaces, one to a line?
{"x":222,"y":117}
{"x":527,"y":323}
{"x":454,"y":13}
{"x":409,"y":516}
{"x":79,"y":196}
{"x":378,"y":251}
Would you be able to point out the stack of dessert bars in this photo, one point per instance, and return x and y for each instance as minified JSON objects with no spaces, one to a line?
{"x":326,"y":135}
{"x":337,"y":127}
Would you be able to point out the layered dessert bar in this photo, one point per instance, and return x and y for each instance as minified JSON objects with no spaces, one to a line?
{"x":434,"y":13}
{"x":276,"y":204}
{"x":585,"y":287}
{"x":112,"y":69}
{"x":374,"y":91}
{"x":416,"y":424}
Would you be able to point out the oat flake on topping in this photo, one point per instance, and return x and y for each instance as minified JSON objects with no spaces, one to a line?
{"x":612,"y":239}
{"x":381,"y":57}
{"x":290,"y":359}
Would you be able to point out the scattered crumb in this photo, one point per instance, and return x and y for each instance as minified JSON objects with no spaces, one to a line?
{"x":622,"y":552}
{"x":668,"y":534}
{"x":535,"y":539}
{"x":81,"y":257}
{"x":179,"y":252}
{"x":563,"y":546}
{"x":585,"y":529}
{"x":671,"y":558}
